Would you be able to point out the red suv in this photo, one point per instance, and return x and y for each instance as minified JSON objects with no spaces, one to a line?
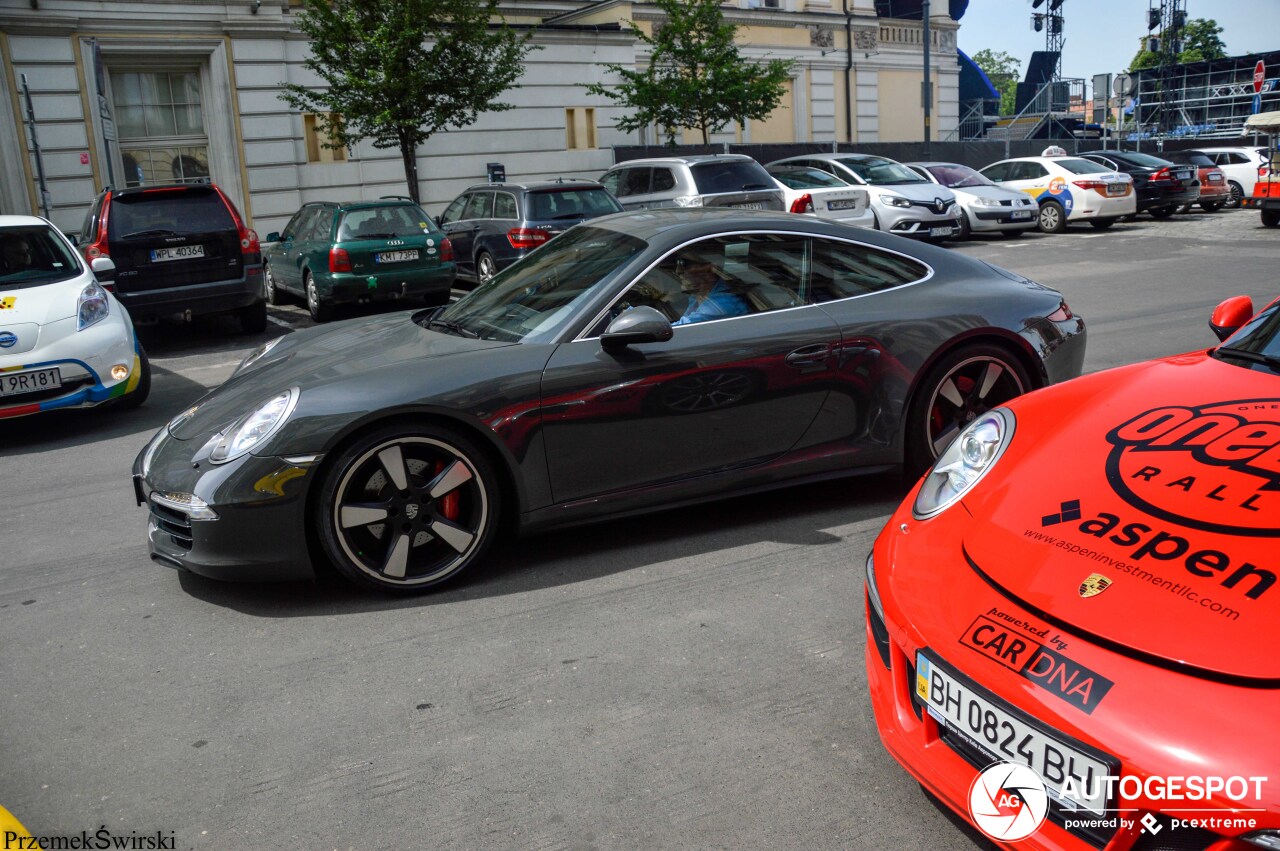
{"x":178,"y":250}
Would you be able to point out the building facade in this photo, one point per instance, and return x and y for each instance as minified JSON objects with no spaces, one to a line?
{"x":131,"y":92}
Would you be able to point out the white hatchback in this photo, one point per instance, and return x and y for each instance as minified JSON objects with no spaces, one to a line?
{"x":1068,"y":189}
{"x":65,"y":342}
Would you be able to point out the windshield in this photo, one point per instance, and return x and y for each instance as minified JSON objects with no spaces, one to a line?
{"x":32,"y":255}
{"x":532,"y":299}
{"x":881,"y":172}
{"x":152,"y":212}
{"x":1076,"y":165}
{"x":1259,"y":336}
{"x":384,"y":223}
{"x":958,"y":176}
{"x":712,"y":178}
{"x":806,"y":178}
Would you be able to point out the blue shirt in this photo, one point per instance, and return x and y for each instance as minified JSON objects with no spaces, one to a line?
{"x":718,"y":304}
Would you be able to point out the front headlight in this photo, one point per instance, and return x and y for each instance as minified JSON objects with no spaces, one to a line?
{"x":93,"y":306}
{"x":257,"y":355}
{"x":963,"y":464}
{"x":986,"y":202}
{"x":896,"y":201}
{"x":254,"y":428}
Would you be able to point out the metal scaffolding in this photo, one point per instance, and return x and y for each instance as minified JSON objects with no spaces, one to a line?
{"x":1209,"y":99}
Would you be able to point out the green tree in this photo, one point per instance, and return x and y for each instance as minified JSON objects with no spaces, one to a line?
{"x":1003,"y":71}
{"x":1201,"y":39}
{"x":696,"y":77}
{"x":400,"y":71}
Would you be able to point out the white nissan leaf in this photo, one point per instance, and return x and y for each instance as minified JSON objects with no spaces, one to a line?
{"x":65,"y":342}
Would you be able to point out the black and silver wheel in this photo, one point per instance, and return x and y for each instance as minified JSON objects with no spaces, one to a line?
{"x":1210,"y":206}
{"x":1237,"y":196}
{"x":1053,"y":219}
{"x":407,"y":507}
{"x":1102,"y":224}
{"x":1270,"y":218}
{"x":1162,"y":212}
{"x":964,"y":229}
{"x":962,"y":386}
{"x":485,"y":267}
{"x":321,"y":311}
{"x":270,"y":291}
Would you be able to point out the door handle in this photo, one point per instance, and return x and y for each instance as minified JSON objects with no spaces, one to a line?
{"x":809,"y":355}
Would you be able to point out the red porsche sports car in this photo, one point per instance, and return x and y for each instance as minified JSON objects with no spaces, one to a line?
{"x":1094,"y":597}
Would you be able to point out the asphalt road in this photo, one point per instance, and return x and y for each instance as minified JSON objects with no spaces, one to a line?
{"x":688,"y":679}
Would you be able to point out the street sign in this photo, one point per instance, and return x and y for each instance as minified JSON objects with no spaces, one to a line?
{"x":1123,"y":85}
{"x":1257,"y":104}
{"x":1259,"y":75}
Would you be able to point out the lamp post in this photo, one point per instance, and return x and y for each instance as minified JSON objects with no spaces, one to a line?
{"x":926,"y":93}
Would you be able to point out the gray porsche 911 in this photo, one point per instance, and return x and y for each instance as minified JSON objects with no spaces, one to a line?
{"x":633,"y":363}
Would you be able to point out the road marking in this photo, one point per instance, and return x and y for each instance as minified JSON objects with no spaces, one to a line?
{"x":277,"y":321}
{"x":1094,"y":236}
{"x":223,"y":365}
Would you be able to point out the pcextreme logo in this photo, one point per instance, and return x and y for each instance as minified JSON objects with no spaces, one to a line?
{"x":1213,"y":467}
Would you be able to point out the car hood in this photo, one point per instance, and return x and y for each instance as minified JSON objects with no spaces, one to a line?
{"x":44,"y":303}
{"x":1148,"y":519}
{"x":997,"y":193}
{"x":330,"y":354}
{"x":916,"y":191}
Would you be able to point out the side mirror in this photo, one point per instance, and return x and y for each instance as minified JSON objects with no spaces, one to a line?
{"x":104,"y":269}
{"x":1230,"y":315}
{"x":637,"y":325}
{"x":274,"y":236}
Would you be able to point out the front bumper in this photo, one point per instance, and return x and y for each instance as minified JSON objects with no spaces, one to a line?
{"x":259,"y":533}
{"x":1157,"y":198}
{"x":935,"y":617}
{"x":83,"y":359}
{"x":994,"y":219}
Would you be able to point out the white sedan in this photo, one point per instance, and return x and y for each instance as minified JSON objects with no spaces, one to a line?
{"x":65,"y":342}
{"x":986,"y":206}
{"x":1068,"y":189}
{"x":813,"y":192}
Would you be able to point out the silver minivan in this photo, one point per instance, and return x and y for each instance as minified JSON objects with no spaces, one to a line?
{"x":707,"y":180}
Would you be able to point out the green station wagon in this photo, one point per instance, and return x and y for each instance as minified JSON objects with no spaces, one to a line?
{"x":330,"y":254}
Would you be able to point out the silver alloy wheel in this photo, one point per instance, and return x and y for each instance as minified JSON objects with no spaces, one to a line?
{"x":1050,"y":217}
{"x":269,"y":284}
{"x":1237,"y":196}
{"x":969,"y":389}
{"x":313,"y":297}
{"x":485,"y":267}
{"x":410,"y":511}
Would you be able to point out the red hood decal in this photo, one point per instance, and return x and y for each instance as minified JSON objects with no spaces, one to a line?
{"x":1146,"y":519}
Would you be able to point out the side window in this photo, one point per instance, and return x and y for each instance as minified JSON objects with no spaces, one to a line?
{"x":1029,"y":171}
{"x":997,"y":172}
{"x":663,"y":180}
{"x":89,"y":229}
{"x":320,"y":224}
{"x":480,"y":206}
{"x":1237,"y":159}
{"x":636,"y":182}
{"x":504,"y":205}
{"x":1104,"y":161}
{"x":454,"y":211}
{"x":844,"y":269}
{"x":300,"y":223}
{"x":610,"y":181}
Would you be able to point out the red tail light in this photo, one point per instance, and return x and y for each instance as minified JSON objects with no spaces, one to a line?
{"x":1162,"y":176}
{"x":98,"y":248}
{"x":527,"y":237}
{"x":803,"y":204}
{"x":339,"y":260}
{"x":446,"y":250}
{"x":1062,"y":314}
{"x":248,"y":236}
{"x":1099,"y":186}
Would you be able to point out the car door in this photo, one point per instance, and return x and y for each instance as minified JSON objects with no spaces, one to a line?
{"x":719,"y":395}
{"x":288,"y":270}
{"x":315,"y":240}
{"x":462,"y":231}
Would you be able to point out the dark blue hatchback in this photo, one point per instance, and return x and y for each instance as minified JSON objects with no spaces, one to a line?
{"x":492,"y":225}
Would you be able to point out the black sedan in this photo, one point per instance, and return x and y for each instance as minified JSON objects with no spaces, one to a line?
{"x":636,"y":362}
{"x":1162,"y":186}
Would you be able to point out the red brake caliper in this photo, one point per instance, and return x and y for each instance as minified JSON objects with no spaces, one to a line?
{"x":448,"y":505}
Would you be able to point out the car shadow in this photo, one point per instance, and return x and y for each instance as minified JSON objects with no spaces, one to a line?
{"x":792,"y":516}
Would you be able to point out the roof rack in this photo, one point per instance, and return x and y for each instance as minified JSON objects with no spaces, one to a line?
{"x":394,"y":198}
{"x":581,"y":179}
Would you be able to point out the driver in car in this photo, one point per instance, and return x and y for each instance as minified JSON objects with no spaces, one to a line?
{"x":710,"y":296}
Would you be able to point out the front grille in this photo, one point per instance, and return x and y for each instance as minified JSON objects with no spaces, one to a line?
{"x":1166,"y":838}
{"x":175,"y":524}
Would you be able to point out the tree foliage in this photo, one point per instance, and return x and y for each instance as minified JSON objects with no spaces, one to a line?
{"x":400,"y":71}
{"x":1002,"y":70}
{"x":1201,"y":39}
{"x":696,"y":76}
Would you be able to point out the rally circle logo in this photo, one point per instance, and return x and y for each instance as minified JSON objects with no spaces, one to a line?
{"x":1213,"y":467}
{"x":1008,"y":802}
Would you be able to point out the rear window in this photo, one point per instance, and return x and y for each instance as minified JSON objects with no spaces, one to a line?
{"x":1191,"y":158}
{"x":383,"y":222}
{"x":168,"y":211}
{"x":1076,"y":165}
{"x":1145,"y":160}
{"x":33,"y":254}
{"x":549,"y":205}
{"x":807,"y":178}
{"x":734,"y":176}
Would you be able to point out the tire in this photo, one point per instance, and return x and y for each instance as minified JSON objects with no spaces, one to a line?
{"x":1102,"y":224}
{"x":1161,"y":212}
{"x":875,"y":221}
{"x":1053,"y":219}
{"x":1013,"y":234}
{"x":1211,"y":206}
{"x":1237,"y":196}
{"x":966,"y":229}
{"x":253,"y":319}
{"x":143,"y":390}
{"x":934,"y":417}
{"x":321,"y":311}
{"x":485,"y":267}
{"x":1270,"y":218}
{"x":270,"y":291}
{"x":1183,"y":209}
{"x":378,"y":521}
